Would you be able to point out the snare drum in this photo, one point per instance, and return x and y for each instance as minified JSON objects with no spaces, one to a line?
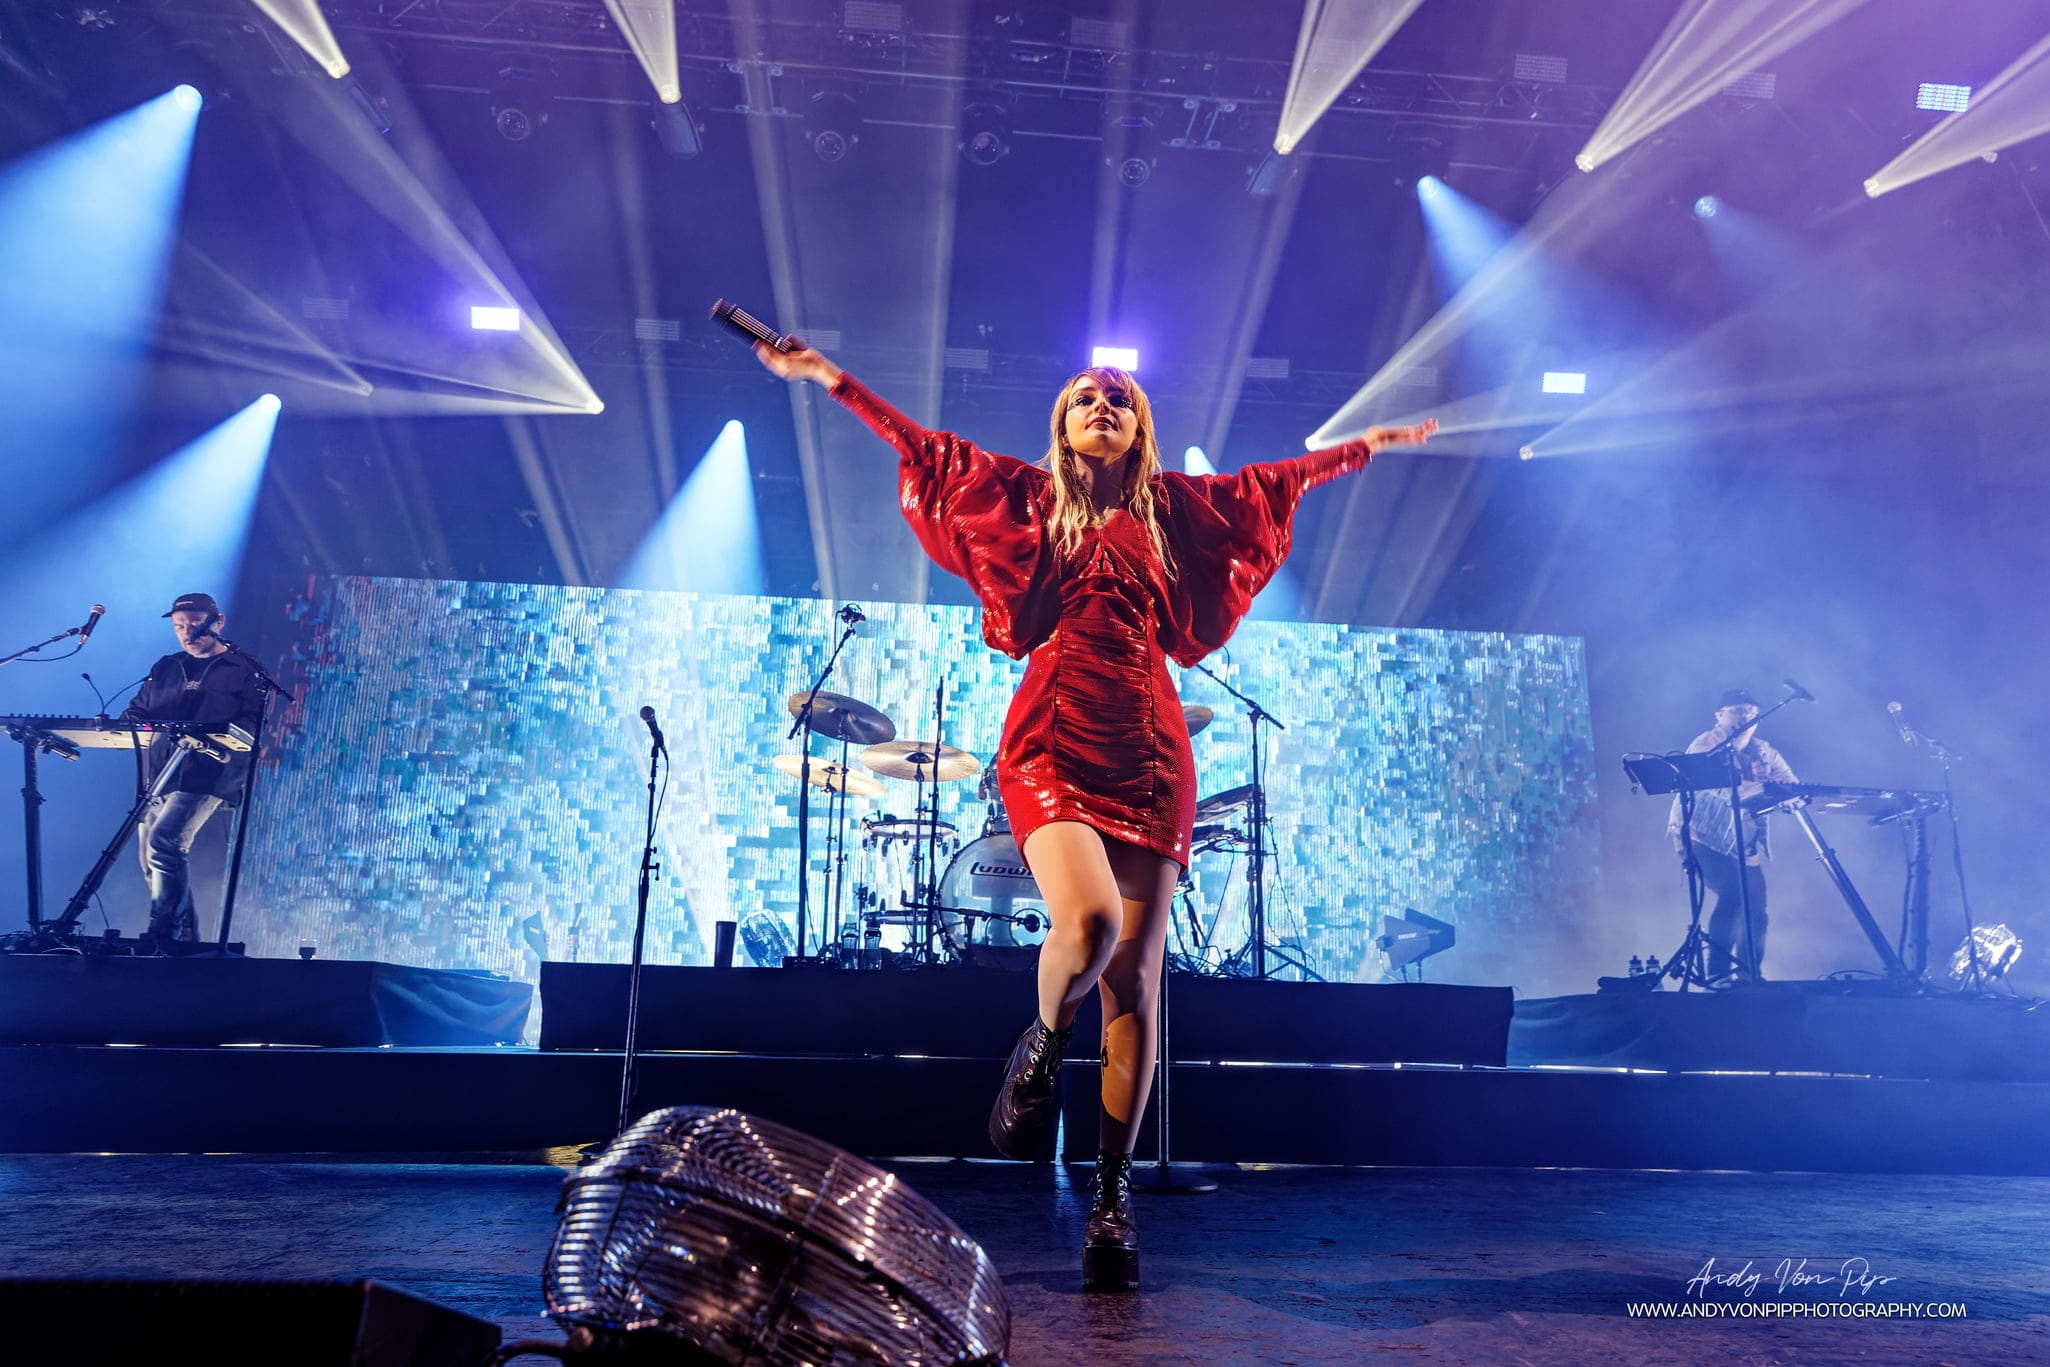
{"x":989,"y":876}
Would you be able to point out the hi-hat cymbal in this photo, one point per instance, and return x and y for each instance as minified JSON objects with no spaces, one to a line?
{"x":1198,"y":716}
{"x":1224,"y":803}
{"x":845,"y":718}
{"x":914,"y":759}
{"x":834,"y":778}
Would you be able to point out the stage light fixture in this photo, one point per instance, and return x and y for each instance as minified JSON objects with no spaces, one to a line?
{"x":985,"y":134}
{"x":1526,"y":452}
{"x":514,"y":124}
{"x":1565,"y":382}
{"x":1427,"y":187}
{"x":188,"y":98}
{"x":1134,"y":172}
{"x":677,"y":131}
{"x":269,"y":402}
{"x":1708,"y":206}
{"x":1116,"y":357}
{"x":709,"y":1235}
{"x":1195,"y":461}
{"x":1947,"y":99}
{"x":494,"y":318}
{"x":833,"y":124}
{"x":1984,"y":957}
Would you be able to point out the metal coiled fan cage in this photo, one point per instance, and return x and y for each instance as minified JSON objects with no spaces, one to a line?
{"x":752,"y":1242}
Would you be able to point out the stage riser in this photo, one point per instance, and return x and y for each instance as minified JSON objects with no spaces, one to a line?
{"x":1519,"y":1118}
{"x":395,"y":1101}
{"x":201,"y":1002}
{"x":1788,"y":1027}
{"x":977,"y":1013}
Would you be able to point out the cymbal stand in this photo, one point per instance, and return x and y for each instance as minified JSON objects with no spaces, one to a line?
{"x":1256,"y":856}
{"x":803,"y":723}
{"x":836,"y":853}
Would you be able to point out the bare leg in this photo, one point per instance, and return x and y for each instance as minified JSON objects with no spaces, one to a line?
{"x":1109,"y":903}
{"x":1130,"y":991}
{"x":1072,"y":866}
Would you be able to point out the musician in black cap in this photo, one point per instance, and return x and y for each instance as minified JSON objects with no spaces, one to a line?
{"x":1732,"y":946}
{"x":201,"y":681}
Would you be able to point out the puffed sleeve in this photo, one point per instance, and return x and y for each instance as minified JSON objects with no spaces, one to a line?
{"x":977,"y":514}
{"x":1228,"y":535}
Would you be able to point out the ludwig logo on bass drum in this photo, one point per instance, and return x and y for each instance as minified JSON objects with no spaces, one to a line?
{"x":982,"y":870}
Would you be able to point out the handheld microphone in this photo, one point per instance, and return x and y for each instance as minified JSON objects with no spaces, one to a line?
{"x":1908,"y":736}
{"x":1800,"y":694}
{"x":85,"y":633}
{"x":648,"y":716}
{"x":751,"y":327}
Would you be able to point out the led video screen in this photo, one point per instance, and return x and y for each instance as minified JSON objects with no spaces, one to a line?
{"x":464,"y":782}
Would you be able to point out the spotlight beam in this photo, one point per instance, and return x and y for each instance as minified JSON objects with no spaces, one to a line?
{"x":2013,"y":107}
{"x":305,"y":25}
{"x":649,"y":27}
{"x":404,"y":178}
{"x":1337,"y":40}
{"x":1706,"y":43}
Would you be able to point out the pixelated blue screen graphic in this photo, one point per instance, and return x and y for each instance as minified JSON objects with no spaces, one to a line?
{"x":462,"y":784}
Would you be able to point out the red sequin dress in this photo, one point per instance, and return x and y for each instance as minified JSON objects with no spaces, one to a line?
{"x":1096,"y":733}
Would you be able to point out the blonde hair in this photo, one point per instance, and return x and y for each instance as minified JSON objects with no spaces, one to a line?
{"x":1072,"y":508}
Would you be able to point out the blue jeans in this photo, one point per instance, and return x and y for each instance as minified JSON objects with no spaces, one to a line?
{"x":165,"y":835}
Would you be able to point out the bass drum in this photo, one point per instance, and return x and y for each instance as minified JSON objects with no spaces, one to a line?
{"x":989,"y":876}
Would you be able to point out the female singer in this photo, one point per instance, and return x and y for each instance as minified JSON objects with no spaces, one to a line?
{"x":1101,"y":566}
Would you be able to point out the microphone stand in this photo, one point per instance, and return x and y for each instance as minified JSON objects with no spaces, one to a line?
{"x":1948,"y":758}
{"x":30,"y":650}
{"x":266,"y":687}
{"x":1728,"y":750}
{"x":1256,"y":857}
{"x":803,"y":723}
{"x":657,"y":752}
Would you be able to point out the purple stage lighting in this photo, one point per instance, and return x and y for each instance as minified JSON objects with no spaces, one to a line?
{"x":1708,"y":206}
{"x":1945,"y":99}
{"x":1119,"y":357}
{"x":188,"y":98}
{"x":491,"y":318}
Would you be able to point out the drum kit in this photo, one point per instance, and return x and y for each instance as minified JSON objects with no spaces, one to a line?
{"x":922,"y":895}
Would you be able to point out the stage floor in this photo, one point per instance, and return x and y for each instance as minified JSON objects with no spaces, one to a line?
{"x":1301,"y":1265}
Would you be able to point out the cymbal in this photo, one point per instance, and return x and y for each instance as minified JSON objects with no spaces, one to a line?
{"x":1198,"y":716}
{"x":845,"y":718}
{"x":1224,"y":803}
{"x":912,"y":759}
{"x":834,"y":778}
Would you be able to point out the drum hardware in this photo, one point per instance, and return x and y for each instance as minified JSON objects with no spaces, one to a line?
{"x":927,"y":764}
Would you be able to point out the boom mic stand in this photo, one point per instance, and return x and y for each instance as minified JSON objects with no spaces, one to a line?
{"x":650,"y":869}
{"x":1256,"y":856}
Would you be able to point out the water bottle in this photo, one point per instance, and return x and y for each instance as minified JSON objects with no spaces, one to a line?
{"x":1636,"y":966}
{"x":872,"y":945}
{"x":849,"y":942}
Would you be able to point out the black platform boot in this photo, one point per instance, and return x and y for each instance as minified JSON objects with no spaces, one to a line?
{"x":1110,"y":1244}
{"x":1024,"y":1110}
